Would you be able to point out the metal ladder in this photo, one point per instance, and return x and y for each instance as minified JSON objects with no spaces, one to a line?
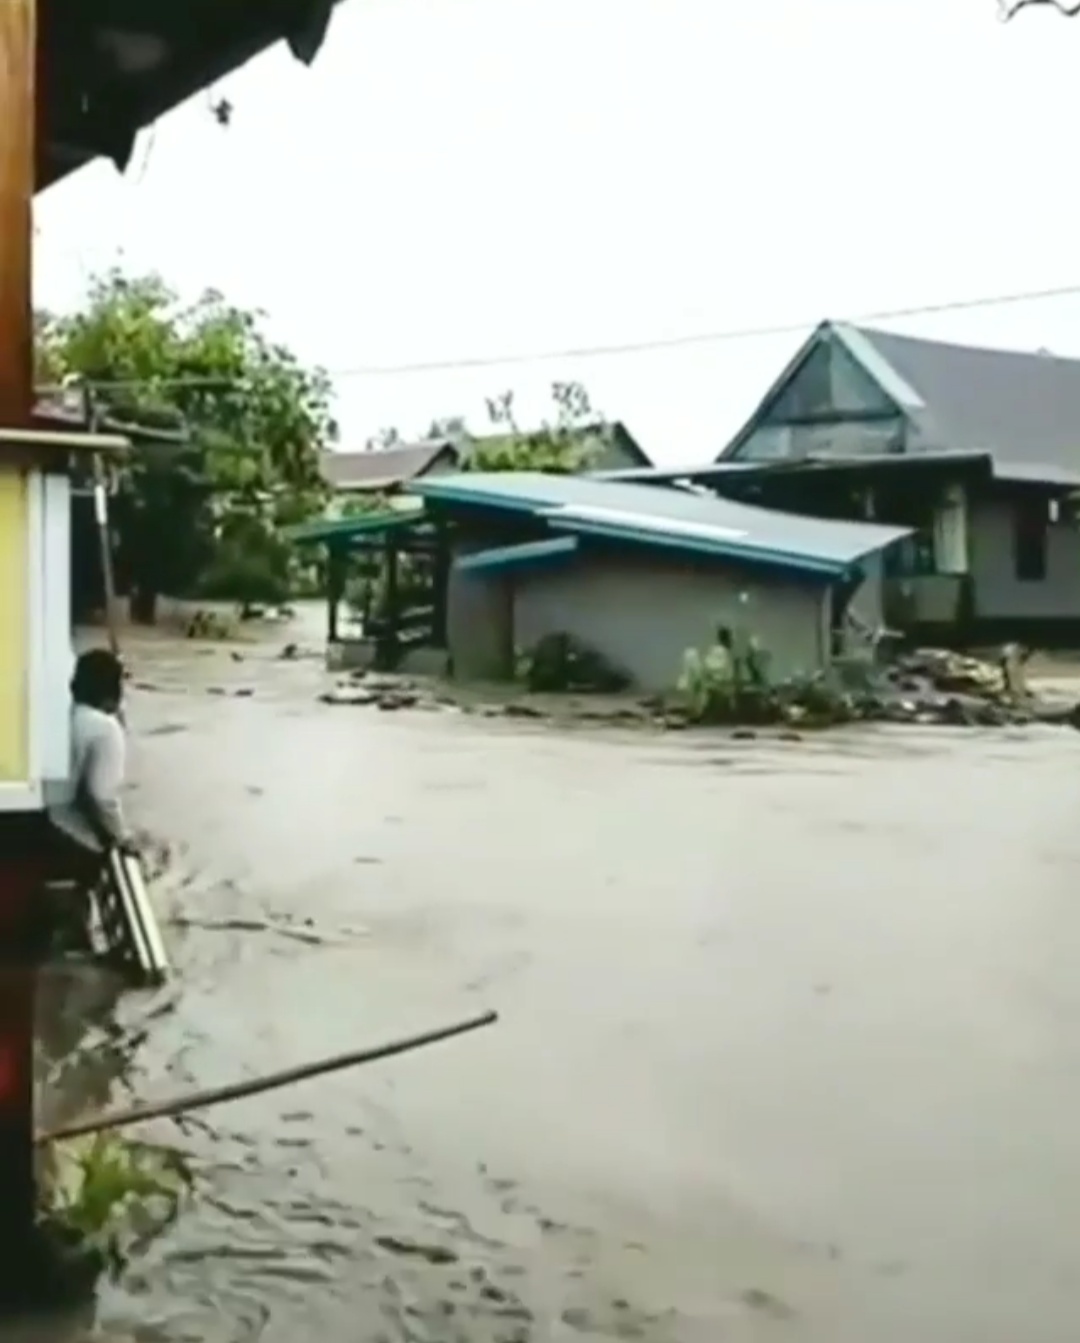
{"x":127,"y":925}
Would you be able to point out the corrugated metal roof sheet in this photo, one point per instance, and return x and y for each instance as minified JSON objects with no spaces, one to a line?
{"x":1038,"y":473}
{"x":672,"y":518}
{"x":1021,"y":407}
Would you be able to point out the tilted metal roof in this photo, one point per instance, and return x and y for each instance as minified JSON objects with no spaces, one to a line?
{"x":672,"y":519}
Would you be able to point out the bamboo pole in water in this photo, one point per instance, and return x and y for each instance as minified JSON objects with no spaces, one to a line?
{"x":198,"y":1100}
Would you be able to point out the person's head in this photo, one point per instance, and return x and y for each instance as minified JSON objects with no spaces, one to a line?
{"x":98,"y":681}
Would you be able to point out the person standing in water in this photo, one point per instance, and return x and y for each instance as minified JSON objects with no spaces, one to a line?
{"x":88,"y":820}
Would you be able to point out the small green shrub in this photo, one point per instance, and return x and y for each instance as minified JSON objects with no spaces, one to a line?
{"x":109,"y":1197}
{"x":561,"y":664}
{"x":729,"y":683}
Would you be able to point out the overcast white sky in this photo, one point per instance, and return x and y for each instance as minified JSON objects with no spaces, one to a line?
{"x":463,"y":178}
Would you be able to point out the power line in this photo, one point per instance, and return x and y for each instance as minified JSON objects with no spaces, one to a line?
{"x":603,"y":351}
{"x":697,"y":338}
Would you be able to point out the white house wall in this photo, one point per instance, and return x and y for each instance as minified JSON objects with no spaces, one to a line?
{"x":998,"y":593}
{"x":643,"y":613}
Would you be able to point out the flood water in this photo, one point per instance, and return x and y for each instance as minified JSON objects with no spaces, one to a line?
{"x":790,"y":1037}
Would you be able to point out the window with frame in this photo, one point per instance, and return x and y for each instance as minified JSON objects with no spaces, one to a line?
{"x":1031,"y":525}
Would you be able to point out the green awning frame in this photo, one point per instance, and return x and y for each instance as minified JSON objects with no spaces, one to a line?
{"x":361,"y":527}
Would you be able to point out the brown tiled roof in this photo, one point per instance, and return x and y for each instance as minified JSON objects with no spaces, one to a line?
{"x":382,"y":468}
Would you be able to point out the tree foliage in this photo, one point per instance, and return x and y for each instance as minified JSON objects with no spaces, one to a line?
{"x":385,"y":438}
{"x":204,"y":513}
{"x":571,"y":441}
{"x":450,"y":427}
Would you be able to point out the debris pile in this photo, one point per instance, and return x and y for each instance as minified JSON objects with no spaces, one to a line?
{"x":211,"y":626}
{"x":366,"y":688}
{"x":934,"y":685}
{"x":924,"y":687}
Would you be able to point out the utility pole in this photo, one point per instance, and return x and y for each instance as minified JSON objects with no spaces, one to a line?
{"x":91,"y":415}
{"x":19,"y":874}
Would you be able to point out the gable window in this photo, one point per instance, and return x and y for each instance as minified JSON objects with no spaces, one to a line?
{"x":1030,"y":528}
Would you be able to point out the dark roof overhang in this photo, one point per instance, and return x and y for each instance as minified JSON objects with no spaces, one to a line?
{"x":108,"y":68}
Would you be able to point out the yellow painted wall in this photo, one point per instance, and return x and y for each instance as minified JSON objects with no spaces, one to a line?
{"x":14,"y":627}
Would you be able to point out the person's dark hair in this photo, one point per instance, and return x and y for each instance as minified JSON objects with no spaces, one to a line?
{"x":98,"y":680}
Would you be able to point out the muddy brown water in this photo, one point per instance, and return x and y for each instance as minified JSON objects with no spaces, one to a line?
{"x":790,"y":1039}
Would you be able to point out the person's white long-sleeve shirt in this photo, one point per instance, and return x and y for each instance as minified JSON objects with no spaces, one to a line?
{"x":98,"y":759}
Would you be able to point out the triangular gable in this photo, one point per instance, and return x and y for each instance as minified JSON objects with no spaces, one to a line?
{"x":827,"y":380}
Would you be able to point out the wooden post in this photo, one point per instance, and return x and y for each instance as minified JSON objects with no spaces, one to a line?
{"x":335,"y":590}
{"x":92,"y":423}
{"x":108,"y":579}
{"x":17,"y":62}
{"x":440,"y":582}
{"x":19,"y":877}
{"x":393,"y":600}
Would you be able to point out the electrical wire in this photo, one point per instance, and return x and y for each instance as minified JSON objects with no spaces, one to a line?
{"x":700,"y":338}
{"x":790,"y":328}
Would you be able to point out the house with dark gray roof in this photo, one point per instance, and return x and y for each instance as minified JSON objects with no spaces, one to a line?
{"x":976,"y":450}
{"x":387,"y":470}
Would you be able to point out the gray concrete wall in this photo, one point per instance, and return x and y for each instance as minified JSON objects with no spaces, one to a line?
{"x":999,"y":594}
{"x":479,"y":620}
{"x":868,"y":604}
{"x":644,"y":612}
{"x":925,"y":599}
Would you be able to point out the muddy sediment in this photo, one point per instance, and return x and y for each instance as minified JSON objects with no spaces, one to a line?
{"x":789,"y":1038}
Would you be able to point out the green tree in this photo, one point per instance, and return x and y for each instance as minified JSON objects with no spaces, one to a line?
{"x":450,"y":427}
{"x":569,"y":442}
{"x":385,"y":438}
{"x":206,"y":513}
